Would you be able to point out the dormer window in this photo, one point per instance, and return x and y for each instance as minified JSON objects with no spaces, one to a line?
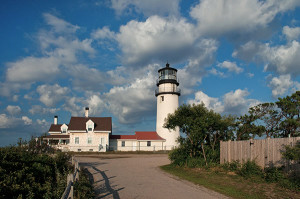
{"x":64,"y":128}
{"x":90,"y":125}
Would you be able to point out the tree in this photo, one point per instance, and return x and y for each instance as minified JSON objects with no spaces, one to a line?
{"x":246,"y":127}
{"x":203,"y":129}
{"x":269,"y":116}
{"x":290,"y":109}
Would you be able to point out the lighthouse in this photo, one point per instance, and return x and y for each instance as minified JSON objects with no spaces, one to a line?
{"x":167,"y":94}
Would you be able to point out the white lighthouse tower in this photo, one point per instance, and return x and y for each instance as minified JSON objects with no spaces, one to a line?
{"x":167,"y":95}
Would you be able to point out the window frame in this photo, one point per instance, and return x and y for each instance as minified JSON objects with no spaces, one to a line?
{"x":90,"y":127}
{"x":76,"y":140}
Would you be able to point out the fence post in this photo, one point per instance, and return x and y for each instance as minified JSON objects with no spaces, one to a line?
{"x":70,"y":180}
{"x":228,"y":151}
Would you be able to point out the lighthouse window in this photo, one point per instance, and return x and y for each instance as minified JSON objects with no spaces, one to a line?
{"x":162,"y":98}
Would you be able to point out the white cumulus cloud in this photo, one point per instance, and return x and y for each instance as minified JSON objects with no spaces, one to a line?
{"x":156,"y":39}
{"x":282,"y":85}
{"x":291,"y":33}
{"x":233,"y":102}
{"x":210,"y":102}
{"x":230,"y":66}
{"x":13,"y":110}
{"x":224,"y":16}
{"x":51,"y":95}
{"x":27,"y":120}
{"x":282,"y":59}
{"x":131,"y":103}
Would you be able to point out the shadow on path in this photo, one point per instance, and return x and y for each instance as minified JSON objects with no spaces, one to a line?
{"x":107,"y":187}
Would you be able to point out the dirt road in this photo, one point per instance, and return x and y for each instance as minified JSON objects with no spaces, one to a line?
{"x":139,"y":176}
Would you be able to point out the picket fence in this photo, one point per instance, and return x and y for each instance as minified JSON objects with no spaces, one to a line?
{"x":265,"y":152}
{"x":69,"y":191}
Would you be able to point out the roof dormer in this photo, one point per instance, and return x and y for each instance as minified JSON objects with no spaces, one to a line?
{"x":90,"y":125}
{"x":64,"y":128}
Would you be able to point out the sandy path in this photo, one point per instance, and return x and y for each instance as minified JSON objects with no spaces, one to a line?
{"x":138,"y":176}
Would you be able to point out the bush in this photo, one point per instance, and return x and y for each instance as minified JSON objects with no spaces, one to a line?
{"x":273,"y":174}
{"x":290,"y":182}
{"x":24,"y":174}
{"x":292,"y":153}
{"x":232,"y":166}
{"x":83,"y":188}
{"x":178,"y":156}
{"x":250,"y":169}
{"x":195,"y":162}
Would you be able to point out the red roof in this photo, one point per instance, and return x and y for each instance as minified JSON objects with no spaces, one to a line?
{"x":139,"y":135}
{"x":147,"y":135}
{"x":101,"y":123}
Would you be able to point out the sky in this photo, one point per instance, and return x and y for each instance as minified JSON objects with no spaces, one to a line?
{"x":58,"y":57}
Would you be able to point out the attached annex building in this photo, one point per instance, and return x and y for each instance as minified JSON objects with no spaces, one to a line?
{"x":140,"y":141}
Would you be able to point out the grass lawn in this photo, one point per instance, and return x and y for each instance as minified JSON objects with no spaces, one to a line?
{"x":230,"y":184}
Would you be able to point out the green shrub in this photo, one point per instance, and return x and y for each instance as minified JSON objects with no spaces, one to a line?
{"x":292,"y":153}
{"x":178,"y":157}
{"x":250,"y":169}
{"x":195,"y":162}
{"x":24,"y":174}
{"x":232,"y":166}
{"x":273,"y":174}
{"x":83,"y":187}
{"x":290,"y":182}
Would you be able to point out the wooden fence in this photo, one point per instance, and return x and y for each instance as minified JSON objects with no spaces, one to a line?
{"x":69,"y":191}
{"x":266,"y":152}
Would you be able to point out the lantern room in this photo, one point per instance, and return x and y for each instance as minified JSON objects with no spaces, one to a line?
{"x":167,"y":75}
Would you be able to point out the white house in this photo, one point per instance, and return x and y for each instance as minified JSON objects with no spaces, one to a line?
{"x":58,"y":136}
{"x":81,"y":134}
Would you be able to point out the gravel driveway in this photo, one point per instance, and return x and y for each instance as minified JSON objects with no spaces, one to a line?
{"x":139,"y":176}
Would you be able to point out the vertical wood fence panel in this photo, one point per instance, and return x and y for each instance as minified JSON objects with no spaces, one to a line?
{"x":266,"y":152}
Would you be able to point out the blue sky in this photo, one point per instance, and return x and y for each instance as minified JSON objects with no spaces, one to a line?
{"x":58,"y":57}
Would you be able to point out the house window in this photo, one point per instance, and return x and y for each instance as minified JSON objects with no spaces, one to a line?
{"x":90,"y":149}
{"x":90,"y":127}
{"x":102,"y":141}
{"x":78,"y":150}
{"x":148,"y":143}
{"x":89,"y":140}
{"x":76,"y":140}
{"x":64,"y":131}
{"x":123,"y":143}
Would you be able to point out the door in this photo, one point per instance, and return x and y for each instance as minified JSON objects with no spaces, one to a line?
{"x":134,"y":146}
